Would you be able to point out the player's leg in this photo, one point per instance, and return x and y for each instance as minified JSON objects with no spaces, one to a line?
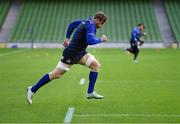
{"x":136,"y":52}
{"x":56,"y":73}
{"x":90,"y":61}
{"x":130,"y":50}
{"x":59,"y":71}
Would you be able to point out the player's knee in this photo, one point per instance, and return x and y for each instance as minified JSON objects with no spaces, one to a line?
{"x":96,"y":66}
{"x":137,"y":51}
{"x":92,"y":63}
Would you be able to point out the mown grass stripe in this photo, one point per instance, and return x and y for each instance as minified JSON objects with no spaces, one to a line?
{"x":10,"y":53}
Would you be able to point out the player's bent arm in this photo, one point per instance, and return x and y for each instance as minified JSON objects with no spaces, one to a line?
{"x":71,"y":28}
{"x":91,"y":39}
{"x":90,"y":35}
{"x":135,"y":36}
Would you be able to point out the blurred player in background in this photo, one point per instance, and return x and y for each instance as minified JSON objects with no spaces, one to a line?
{"x":135,"y":40}
{"x":75,"y":53}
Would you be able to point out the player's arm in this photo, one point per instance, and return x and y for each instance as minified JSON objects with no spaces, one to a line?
{"x":69,"y":31}
{"x":90,"y":35}
{"x":142,"y":34}
{"x":141,"y":42}
{"x":135,"y":36}
{"x":71,"y":28}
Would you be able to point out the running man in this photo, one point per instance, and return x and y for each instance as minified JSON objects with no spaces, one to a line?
{"x":136,"y":41}
{"x":75,"y":53}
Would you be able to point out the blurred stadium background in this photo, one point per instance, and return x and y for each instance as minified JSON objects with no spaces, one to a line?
{"x":45,"y":21}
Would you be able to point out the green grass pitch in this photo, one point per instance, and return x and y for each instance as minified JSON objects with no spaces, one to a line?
{"x":145,"y":92}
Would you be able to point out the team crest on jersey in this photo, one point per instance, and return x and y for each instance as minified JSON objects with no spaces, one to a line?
{"x":68,"y":61}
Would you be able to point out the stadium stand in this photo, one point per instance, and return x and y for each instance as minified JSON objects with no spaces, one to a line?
{"x":172,"y":8}
{"x":4,"y":6}
{"x":46,"y":20}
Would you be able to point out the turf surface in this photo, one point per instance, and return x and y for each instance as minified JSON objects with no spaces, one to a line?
{"x":145,"y":92}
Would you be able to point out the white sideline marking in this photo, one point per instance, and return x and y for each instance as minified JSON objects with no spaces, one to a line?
{"x":82,"y":81}
{"x":140,"y":81}
{"x":128,"y":115}
{"x":9,"y":53}
{"x":69,"y":115}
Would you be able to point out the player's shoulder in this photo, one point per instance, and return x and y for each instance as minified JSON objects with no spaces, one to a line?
{"x":136,"y":29}
{"x":89,"y":22}
{"x":77,"y":21}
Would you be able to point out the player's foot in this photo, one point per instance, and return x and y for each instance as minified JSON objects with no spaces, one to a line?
{"x":125,"y":50}
{"x":94,"y":95}
{"x":135,"y":61}
{"x":29,"y":95}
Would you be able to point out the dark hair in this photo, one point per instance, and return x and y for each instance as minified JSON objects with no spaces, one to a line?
{"x":141,"y":24}
{"x":101,"y":16}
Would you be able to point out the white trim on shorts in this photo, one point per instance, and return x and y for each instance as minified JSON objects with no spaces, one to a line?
{"x":90,"y":59}
{"x":62,"y":66}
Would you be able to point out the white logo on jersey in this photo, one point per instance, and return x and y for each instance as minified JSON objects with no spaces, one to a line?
{"x":68,"y":61}
{"x":91,"y":34}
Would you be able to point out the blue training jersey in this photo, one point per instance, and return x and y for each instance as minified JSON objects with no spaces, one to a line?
{"x":83,"y":36}
{"x":135,"y":35}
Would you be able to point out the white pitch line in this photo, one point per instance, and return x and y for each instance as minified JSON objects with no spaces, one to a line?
{"x":128,"y":115}
{"x":140,"y":81}
{"x":69,"y":115}
{"x":82,"y":81}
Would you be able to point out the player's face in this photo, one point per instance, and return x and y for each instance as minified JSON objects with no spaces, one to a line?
{"x":142,"y":27}
{"x":99,"y":23}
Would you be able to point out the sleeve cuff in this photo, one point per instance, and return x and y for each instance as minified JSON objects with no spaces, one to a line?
{"x":100,"y":40}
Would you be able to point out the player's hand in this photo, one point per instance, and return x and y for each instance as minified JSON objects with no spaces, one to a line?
{"x":140,"y":43}
{"x":144,"y":33}
{"x":104,"y":38}
{"x":66,"y":42}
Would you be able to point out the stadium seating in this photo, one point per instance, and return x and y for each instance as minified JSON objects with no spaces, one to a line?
{"x":47,"y":20}
{"x":4,"y":6}
{"x":172,"y":8}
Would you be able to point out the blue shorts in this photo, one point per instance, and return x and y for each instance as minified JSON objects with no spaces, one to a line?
{"x":72,"y":57}
{"x":134,"y":47}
